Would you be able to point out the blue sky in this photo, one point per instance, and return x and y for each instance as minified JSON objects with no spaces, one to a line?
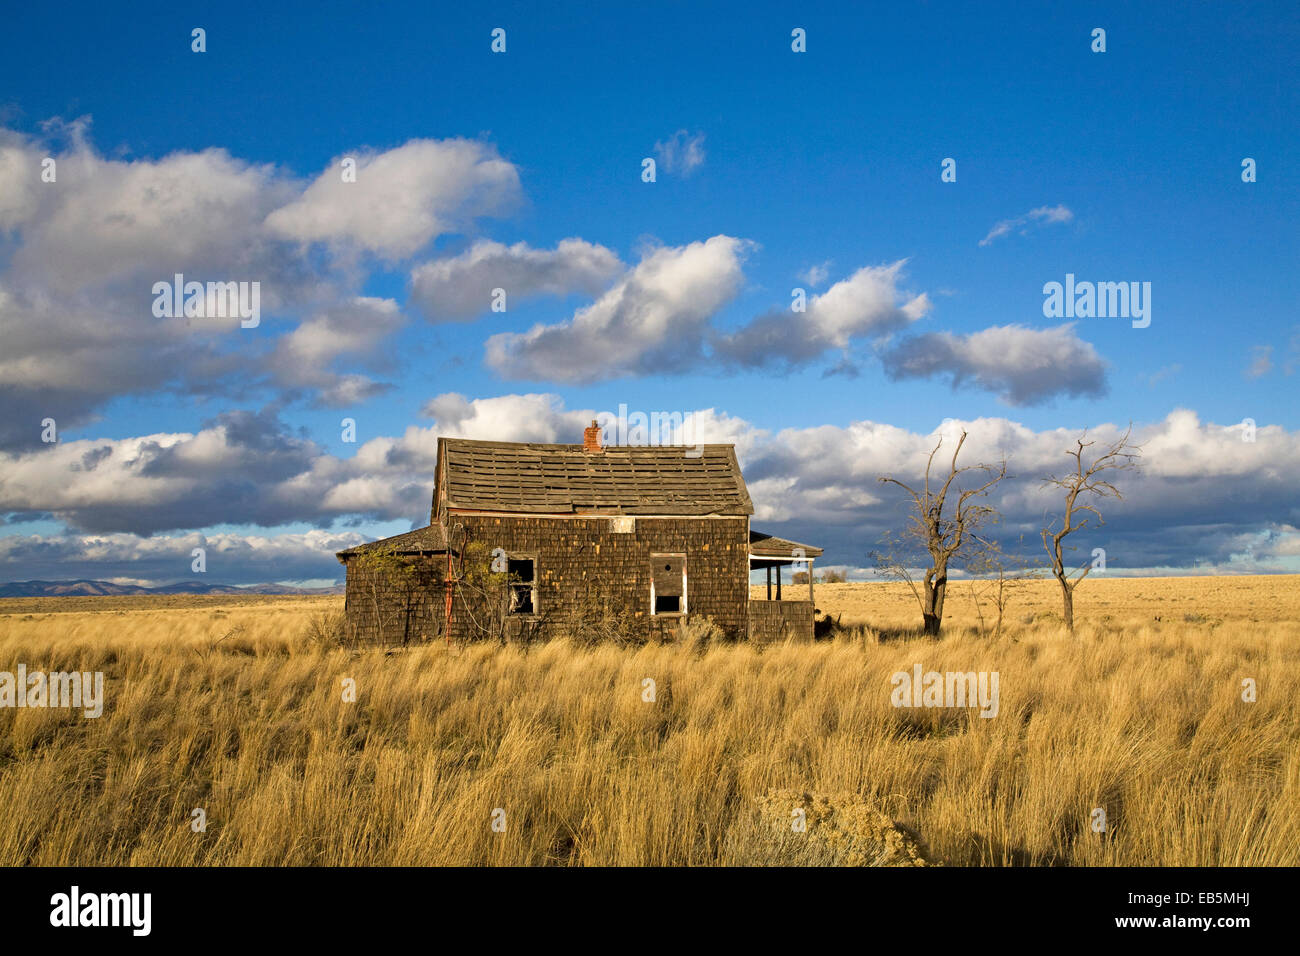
{"x":1115,"y":166}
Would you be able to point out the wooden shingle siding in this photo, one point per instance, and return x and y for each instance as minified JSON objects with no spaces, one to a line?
{"x":380,"y":609}
{"x":779,"y":620}
{"x":582,"y":557}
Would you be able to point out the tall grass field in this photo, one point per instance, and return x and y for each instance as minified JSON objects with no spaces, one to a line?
{"x":233,"y":734}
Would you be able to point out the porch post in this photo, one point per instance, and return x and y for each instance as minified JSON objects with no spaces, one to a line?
{"x":778,"y":582}
{"x":769,"y":582}
{"x":811,"y":600}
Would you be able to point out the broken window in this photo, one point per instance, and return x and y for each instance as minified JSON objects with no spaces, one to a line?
{"x":668,"y":584}
{"x":523,"y":585}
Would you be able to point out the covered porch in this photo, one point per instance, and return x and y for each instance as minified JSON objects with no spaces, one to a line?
{"x":779,"y":612}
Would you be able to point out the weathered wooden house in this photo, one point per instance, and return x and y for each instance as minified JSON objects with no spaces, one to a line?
{"x":530,"y":539}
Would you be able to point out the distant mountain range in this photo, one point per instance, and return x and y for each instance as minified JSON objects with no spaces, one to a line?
{"x":84,"y":588}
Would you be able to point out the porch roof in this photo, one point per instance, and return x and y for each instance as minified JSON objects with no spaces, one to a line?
{"x":770,"y":546}
{"x":428,"y":540}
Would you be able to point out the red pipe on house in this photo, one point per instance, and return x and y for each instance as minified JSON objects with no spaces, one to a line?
{"x":448,"y":586}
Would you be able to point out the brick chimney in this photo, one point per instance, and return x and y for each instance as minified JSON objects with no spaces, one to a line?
{"x":591,"y":439}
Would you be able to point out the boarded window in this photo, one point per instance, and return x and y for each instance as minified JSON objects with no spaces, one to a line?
{"x":523,"y":585}
{"x":668,"y":583}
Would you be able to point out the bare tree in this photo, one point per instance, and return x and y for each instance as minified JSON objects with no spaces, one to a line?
{"x":1085,"y":484}
{"x":943,"y":537}
{"x":996,"y":577}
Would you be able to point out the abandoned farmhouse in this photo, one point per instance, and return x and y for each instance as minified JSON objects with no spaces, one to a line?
{"x":528,"y":540}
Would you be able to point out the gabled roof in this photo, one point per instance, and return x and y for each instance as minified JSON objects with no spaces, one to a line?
{"x":420,"y":541}
{"x":564,"y":479}
{"x":770,"y":546}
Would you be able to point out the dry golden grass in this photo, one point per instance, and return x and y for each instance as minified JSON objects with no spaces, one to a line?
{"x":1141,"y":717}
{"x":1260,"y":599}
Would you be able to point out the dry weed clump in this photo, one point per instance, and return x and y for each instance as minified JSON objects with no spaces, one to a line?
{"x":798,"y":828}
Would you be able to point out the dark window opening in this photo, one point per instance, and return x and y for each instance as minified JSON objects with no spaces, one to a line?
{"x":668,"y":604}
{"x":523,"y":585}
